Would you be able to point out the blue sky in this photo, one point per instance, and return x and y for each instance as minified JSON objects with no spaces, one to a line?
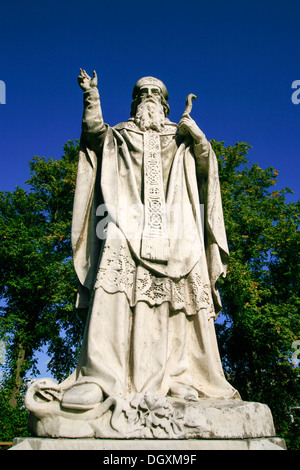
{"x":239,"y":57}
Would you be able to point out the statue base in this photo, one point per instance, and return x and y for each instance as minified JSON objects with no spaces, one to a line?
{"x":145,"y":416}
{"x":179,"y":446}
{"x":204,"y":419}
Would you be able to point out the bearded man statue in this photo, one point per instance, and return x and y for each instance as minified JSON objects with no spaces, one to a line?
{"x":147,"y":281}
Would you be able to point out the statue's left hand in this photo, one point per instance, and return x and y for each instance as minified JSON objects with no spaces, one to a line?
{"x":187,"y":124}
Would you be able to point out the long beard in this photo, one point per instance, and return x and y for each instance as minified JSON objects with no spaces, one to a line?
{"x":150,"y":115}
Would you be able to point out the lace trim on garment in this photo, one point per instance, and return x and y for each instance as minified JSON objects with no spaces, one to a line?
{"x":119,"y":273}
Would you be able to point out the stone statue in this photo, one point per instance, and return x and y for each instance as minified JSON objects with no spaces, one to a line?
{"x":151,"y":283}
{"x":147,"y":260}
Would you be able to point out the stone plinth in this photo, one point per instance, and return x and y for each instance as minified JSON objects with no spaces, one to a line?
{"x":151,"y":418}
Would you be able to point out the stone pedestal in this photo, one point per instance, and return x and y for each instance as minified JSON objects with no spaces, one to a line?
{"x":151,"y":418}
{"x":146,"y":422}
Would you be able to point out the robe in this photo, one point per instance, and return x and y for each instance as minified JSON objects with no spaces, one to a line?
{"x":150,"y":322}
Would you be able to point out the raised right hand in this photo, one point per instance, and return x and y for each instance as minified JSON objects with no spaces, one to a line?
{"x":86,"y":82}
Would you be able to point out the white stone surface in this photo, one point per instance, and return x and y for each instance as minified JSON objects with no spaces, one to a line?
{"x":148,"y":417}
{"x":33,"y":443}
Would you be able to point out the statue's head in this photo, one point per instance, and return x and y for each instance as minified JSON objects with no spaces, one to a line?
{"x":149,"y":89}
{"x":150,"y":82}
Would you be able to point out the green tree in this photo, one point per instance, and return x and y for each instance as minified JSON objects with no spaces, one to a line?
{"x":37,"y":279}
{"x":260,"y":294}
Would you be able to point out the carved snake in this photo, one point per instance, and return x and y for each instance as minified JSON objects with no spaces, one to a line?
{"x":49,"y":390}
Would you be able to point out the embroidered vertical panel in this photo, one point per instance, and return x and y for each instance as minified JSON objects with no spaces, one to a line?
{"x":155,"y":242}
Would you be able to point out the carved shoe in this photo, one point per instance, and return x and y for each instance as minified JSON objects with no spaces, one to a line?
{"x":83,"y":396}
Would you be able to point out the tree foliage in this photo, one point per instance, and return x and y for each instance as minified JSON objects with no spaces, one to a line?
{"x":37,"y":278}
{"x":260,"y":295}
